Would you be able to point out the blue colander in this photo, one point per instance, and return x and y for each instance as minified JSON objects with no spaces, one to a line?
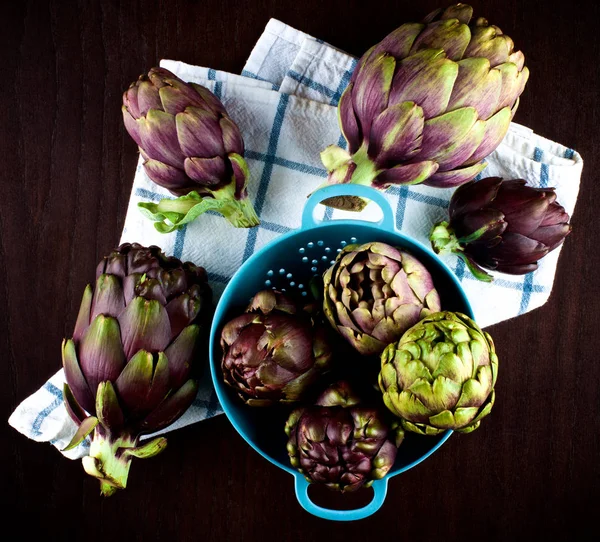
{"x":288,"y":264}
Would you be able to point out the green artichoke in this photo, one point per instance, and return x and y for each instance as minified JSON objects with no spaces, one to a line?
{"x":440,"y":375}
{"x":340,"y":443}
{"x":427,"y":104}
{"x":374,"y":292}
{"x":191,"y":147}
{"x":129,"y":363}
{"x":274,"y":352}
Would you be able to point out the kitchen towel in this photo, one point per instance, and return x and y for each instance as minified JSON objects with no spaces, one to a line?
{"x":285,"y":105}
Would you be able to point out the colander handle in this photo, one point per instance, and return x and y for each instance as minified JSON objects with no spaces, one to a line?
{"x":308,"y":220}
{"x":379,"y":493}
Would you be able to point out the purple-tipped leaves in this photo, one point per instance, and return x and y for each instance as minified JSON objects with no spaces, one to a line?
{"x":374,"y":292}
{"x":144,"y":326}
{"x":341,"y":443}
{"x":83,"y":317}
{"x":274,"y":352}
{"x":130,"y":366}
{"x":180,"y":354}
{"x":186,"y":139}
{"x":462,"y":76}
{"x":499,"y":225}
{"x":133,"y":384}
{"x":347,"y":120}
{"x":76,"y":413}
{"x":101,"y":355}
{"x":426,"y":79}
{"x":108,"y":297}
{"x":75,"y":377}
{"x":108,"y":410}
{"x":370,"y":95}
{"x":171,"y":408}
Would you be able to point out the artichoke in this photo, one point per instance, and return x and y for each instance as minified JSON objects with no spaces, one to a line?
{"x":504,"y":226}
{"x":374,"y":292}
{"x":191,"y":147}
{"x":274,"y":352}
{"x":427,"y":104}
{"x":440,"y":375}
{"x":340,"y":444}
{"x":129,"y":362}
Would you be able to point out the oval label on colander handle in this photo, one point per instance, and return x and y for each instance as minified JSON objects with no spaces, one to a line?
{"x":379,"y":493}
{"x":349,"y":190}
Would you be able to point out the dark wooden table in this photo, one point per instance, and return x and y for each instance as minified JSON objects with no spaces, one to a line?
{"x":533,"y":469}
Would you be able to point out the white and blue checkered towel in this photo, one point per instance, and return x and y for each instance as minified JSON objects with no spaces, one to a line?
{"x":285,"y":105}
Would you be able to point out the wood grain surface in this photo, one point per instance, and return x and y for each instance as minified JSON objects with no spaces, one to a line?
{"x":532,"y":471}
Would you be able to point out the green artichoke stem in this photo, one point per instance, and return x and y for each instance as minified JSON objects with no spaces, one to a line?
{"x":106,"y":489}
{"x":106,"y":460}
{"x":178,"y":212}
{"x":366,"y":170}
{"x":240,"y":212}
{"x":110,"y":457}
{"x":444,"y":240}
{"x":365,"y":173}
{"x":179,"y":205}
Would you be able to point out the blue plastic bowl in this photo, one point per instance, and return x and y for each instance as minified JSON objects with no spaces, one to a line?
{"x":288,"y":263}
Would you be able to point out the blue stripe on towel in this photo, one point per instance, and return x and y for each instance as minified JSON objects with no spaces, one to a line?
{"x":267,"y":171}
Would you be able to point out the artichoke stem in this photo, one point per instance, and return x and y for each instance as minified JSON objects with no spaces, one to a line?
{"x":106,"y":490}
{"x":171,"y":214}
{"x":178,"y":205}
{"x":106,"y":460}
{"x":365,"y":173}
{"x":444,"y":240}
{"x":240,"y":212}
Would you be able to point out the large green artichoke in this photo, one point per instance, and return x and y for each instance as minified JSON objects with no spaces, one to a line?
{"x":341,"y":443}
{"x":273,"y":352}
{"x":427,"y":104}
{"x":374,"y":293}
{"x":129,"y":364}
{"x":440,"y":375}
{"x":191,"y":147}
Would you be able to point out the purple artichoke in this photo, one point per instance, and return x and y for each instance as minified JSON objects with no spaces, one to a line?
{"x":191,"y":147}
{"x":427,"y":104}
{"x":374,"y":293}
{"x":274,"y":352}
{"x":340,"y":443}
{"x":128,"y":366}
{"x":504,"y":226}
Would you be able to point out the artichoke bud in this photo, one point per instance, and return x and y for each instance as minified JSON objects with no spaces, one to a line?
{"x":374,"y":292}
{"x":427,"y":104}
{"x":339,"y":442}
{"x":445,"y":383}
{"x":127,"y":366}
{"x":501,"y":225}
{"x":274,"y":352}
{"x":191,"y":147}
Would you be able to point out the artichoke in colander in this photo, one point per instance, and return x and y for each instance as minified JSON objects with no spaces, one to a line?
{"x":341,"y":442}
{"x":440,"y":375}
{"x":274,"y":352}
{"x":129,"y":366}
{"x":427,"y":104}
{"x":374,"y":292}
